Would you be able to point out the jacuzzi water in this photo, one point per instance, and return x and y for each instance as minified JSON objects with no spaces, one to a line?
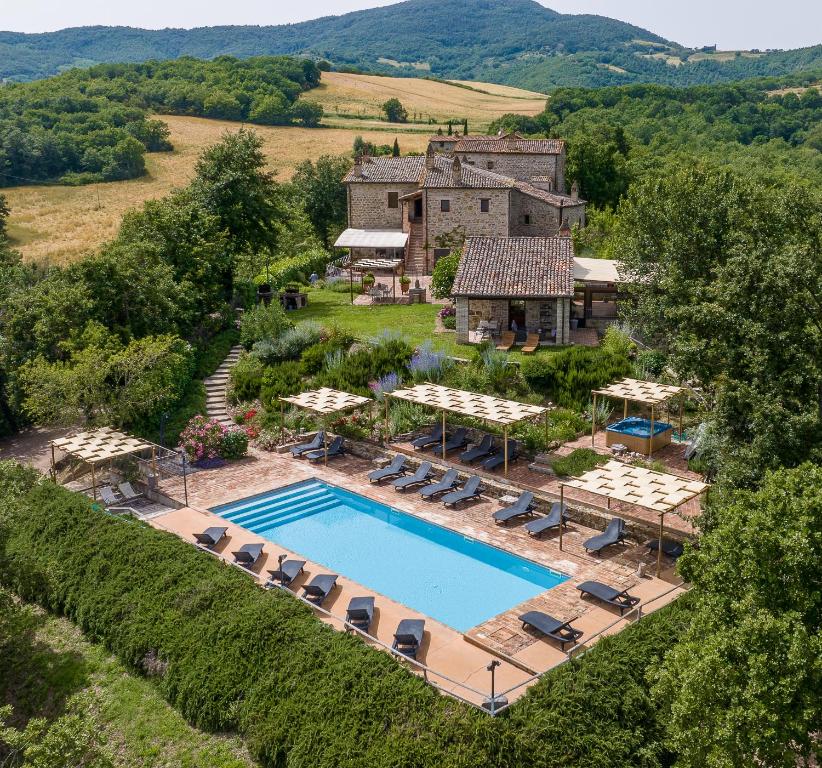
{"x":636,"y":426}
{"x":450,"y":577}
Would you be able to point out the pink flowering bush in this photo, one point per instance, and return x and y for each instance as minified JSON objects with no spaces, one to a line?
{"x":205,"y":439}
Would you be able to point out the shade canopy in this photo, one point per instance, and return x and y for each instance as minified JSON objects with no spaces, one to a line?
{"x":637,"y":391}
{"x":326,"y":401}
{"x":100,"y":445}
{"x":485,"y":407}
{"x":596,"y":270}
{"x":372,"y":238}
{"x":364,"y":265}
{"x":657,"y":491}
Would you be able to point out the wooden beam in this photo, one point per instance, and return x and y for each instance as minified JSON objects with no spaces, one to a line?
{"x":561,"y":511}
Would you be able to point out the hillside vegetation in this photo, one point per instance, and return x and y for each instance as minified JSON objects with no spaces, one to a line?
{"x":517,"y":42}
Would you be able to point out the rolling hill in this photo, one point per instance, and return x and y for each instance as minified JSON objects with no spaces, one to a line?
{"x":515,"y":42}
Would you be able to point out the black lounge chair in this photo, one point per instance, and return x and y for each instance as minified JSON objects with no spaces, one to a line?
{"x":360,"y":613}
{"x":396,"y":468}
{"x":561,"y":631}
{"x":613,"y":534}
{"x":210,"y":537}
{"x":470,"y":490}
{"x":433,"y":437}
{"x":670,"y":548}
{"x":600,"y":591}
{"x":498,"y":459}
{"x":248,"y":554}
{"x":448,"y":483}
{"x":287,"y":572}
{"x":408,"y":637}
{"x":420,"y":476}
{"x":312,"y":445}
{"x":485,"y":448}
{"x":335,"y":448}
{"x":319,"y":588}
{"x":551,"y":520}
{"x":524,"y":505}
{"x":458,"y":440}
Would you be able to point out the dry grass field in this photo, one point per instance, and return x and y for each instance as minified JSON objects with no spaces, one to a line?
{"x":56,"y":224}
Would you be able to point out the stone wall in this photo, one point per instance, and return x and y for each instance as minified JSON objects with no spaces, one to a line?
{"x":544,"y":217}
{"x":368,"y":205}
{"x":465,"y":212}
{"x":518,"y":166}
{"x":471,"y":311}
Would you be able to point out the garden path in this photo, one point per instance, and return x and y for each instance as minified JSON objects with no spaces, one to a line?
{"x":215,"y":385}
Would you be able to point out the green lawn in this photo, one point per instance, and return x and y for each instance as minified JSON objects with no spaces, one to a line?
{"x":140,"y":728}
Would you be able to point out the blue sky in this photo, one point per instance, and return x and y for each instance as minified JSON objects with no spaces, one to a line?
{"x":728,"y":23}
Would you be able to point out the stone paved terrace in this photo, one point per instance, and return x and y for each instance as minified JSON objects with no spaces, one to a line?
{"x":461,"y":657}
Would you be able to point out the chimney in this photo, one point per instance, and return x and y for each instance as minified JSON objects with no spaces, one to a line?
{"x":429,"y":158}
{"x":358,"y":166}
{"x":545,"y":183}
{"x":565,"y":229}
{"x":574,"y":191}
{"x":499,"y":133}
{"x":456,"y":171}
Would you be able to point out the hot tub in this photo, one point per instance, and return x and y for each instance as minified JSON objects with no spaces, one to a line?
{"x":635,"y":433}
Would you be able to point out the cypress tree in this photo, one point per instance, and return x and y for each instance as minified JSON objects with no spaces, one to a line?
{"x":395,"y":150}
{"x":465,"y":127}
{"x":450,"y":128}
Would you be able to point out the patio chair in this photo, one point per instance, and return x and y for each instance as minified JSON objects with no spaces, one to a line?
{"x":408,"y":637}
{"x":335,"y":448}
{"x":551,"y":520}
{"x":432,"y":438}
{"x":531,"y":344}
{"x":485,"y":448}
{"x":561,"y":631}
{"x":470,"y":490}
{"x":128,"y":492}
{"x":506,"y":341}
{"x":447,"y":483}
{"x":458,"y":440}
{"x":609,"y":595}
{"x":498,"y":459}
{"x":670,"y":547}
{"x":108,"y":496}
{"x":314,"y":444}
{"x":360,"y":613}
{"x":248,"y":555}
{"x":210,"y":537}
{"x":395,"y":469}
{"x":319,"y":588}
{"x":286,"y":573}
{"x":418,"y":478}
{"x":613,"y":534}
{"x":524,"y":505}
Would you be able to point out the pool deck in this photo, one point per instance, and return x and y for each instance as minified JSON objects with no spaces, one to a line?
{"x":463,"y":658}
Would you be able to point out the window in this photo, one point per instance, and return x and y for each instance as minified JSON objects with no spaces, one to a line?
{"x":440,"y":252}
{"x":526,"y":219}
{"x":445,"y":206}
{"x":490,"y":165}
{"x":393,"y":199}
{"x":485,"y":205}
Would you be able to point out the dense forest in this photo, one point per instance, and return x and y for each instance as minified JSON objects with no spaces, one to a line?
{"x":518,"y":42}
{"x":94,"y":125}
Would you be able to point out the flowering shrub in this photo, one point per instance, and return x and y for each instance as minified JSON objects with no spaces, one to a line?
{"x":249,"y":415}
{"x":204,"y":440}
{"x":234,"y":444}
{"x":426,"y":363}
{"x":356,"y":427}
{"x":387,"y":383}
{"x":448,"y":311}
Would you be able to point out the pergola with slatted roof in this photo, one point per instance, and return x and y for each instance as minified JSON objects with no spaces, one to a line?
{"x":637,"y":391}
{"x":660,"y":492}
{"x":485,"y":407}
{"x":323,"y":402}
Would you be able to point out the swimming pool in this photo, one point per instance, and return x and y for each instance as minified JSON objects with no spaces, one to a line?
{"x":450,"y":577}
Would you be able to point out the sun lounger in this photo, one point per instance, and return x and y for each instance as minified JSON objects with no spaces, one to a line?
{"x":360,"y":612}
{"x":408,"y":637}
{"x":524,"y":505}
{"x":432,"y":438}
{"x":485,"y":448}
{"x":128,"y":492}
{"x":498,"y":459}
{"x":312,"y":445}
{"x":286,"y":573}
{"x":108,"y":496}
{"x":561,"y":631}
{"x":613,"y":534}
{"x":470,"y":490}
{"x":506,"y":341}
{"x":420,"y":476}
{"x":395,"y":469}
{"x":318,"y":589}
{"x":210,"y":537}
{"x":531,"y":344}
{"x":458,"y":440}
{"x":600,"y":591}
{"x":670,"y":548}
{"x":551,"y":520}
{"x":335,"y":448}
{"x":448,"y":483}
{"x":248,"y":554}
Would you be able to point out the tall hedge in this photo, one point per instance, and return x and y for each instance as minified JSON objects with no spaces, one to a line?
{"x":232,"y":657}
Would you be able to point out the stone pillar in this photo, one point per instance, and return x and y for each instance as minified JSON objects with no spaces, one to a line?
{"x":462,"y":320}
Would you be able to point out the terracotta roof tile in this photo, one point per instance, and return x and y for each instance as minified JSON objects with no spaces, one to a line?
{"x":512,"y":143}
{"x":392,"y":170}
{"x":517,"y":267}
{"x":442,"y":175}
{"x":552,"y":198}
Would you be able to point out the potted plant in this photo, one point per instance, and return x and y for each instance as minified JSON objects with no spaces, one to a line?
{"x":367,"y":281}
{"x":405,"y":281}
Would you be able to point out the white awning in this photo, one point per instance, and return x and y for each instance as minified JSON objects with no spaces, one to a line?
{"x":372,"y":238}
{"x":596,"y":270}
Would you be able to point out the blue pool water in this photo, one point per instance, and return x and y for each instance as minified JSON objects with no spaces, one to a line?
{"x":638,"y":427}
{"x":450,"y":577}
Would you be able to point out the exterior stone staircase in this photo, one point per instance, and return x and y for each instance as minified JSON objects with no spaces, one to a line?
{"x":215,"y":385}
{"x":416,"y":251}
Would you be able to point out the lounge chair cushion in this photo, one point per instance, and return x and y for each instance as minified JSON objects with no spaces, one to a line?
{"x":420,"y":476}
{"x":248,"y":554}
{"x":408,"y":637}
{"x":312,"y":445}
{"x":449,"y":480}
{"x":551,"y":520}
{"x":210,"y":536}
{"x":522,"y":506}
{"x":561,"y":631}
{"x":614,"y":533}
{"x":615,"y":597}
{"x":318,"y":589}
{"x":396,"y":467}
{"x":360,"y":612}
{"x":287,"y":572}
{"x":335,"y":448}
{"x":470,"y":490}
